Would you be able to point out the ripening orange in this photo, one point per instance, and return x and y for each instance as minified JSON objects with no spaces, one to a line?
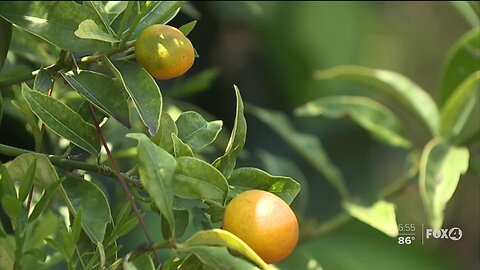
{"x":263,"y":221}
{"x":164,"y":51}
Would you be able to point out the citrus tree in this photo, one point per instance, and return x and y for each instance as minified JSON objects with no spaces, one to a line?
{"x":111,"y":149}
{"x":94,"y":78}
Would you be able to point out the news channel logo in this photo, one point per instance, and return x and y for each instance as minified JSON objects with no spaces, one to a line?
{"x":408,"y":234}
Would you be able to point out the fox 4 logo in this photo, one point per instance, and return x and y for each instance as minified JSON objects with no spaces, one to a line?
{"x":454,"y":234}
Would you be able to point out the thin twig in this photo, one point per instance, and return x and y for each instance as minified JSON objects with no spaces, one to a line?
{"x":123,"y":183}
{"x":61,"y":65}
{"x":69,"y":164}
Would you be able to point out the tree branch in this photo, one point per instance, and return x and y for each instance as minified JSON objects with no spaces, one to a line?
{"x":61,"y":65}
{"x":70,"y":164}
{"x":123,"y":183}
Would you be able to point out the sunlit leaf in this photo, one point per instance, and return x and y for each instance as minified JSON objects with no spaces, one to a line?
{"x":54,"y":22}
{"x":143,"y":262}
{"x":88,"y":29}
{"x":218,"y":237}
{"x":441,"y":166}
{"x":253,"y":178}
{"x":380,"y":215}
{"x":188,"y":27}
{"x":45,"y":174}
{"x":220,"y":258}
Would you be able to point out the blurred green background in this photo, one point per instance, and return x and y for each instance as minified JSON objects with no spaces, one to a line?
{"x":270,"y":51}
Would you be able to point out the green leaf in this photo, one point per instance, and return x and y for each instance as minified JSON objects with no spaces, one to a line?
{"x":62,"y":120}
{"x":163,"y":138}
{"x":253,"y":178}
{"x":160,"y":13}
{"x":196,"y":179}
{"x":77,"y":227}
{"x":6,"y":34}
{"x":200,"y":219}
{"x":115,"y":8}
{"x":218,"y":237}
{"x":460,"y":105}
{"x":195,"y":131}
{"x":156,"y":168}
{"x":143,"y":262}
{"x":1,"y":108}
{"x":89,"y":198}
{"x":11,"y":205}
{"x":43,"y":202}
{"x":308,"y":146}
{"x":43,"y":228}
{"x":42,"y":82}
{"x":29,"y":117}
{"x":220,"y":258}
{"x":102,"y":14}
{"x":194,"y":84}
{"x":54,"y":22}
{"x":7,"y":252}
{"x":366,"y":112}
{"x":45,"y":174}
{"x":102,"y":91}
{"x":188,"y":27}
{"x":180,"y":148}
{"x":380,"y":216}
{"x":27,"y":183}
{"x":144,"y":91}
{"x":467,"y":10}
{"x":392,"y":84}
{"x":226,"y":163}
{"x":278,"y":165}
{"x":441,"y":166}
{"x":33,"y":48}
{"x":191,"y":262}
{"x":88,"y":29}
{"x":181,"y":223}
{"x":126,"y":227}
{"x":8,"y":184}
{"x":461,"y":61}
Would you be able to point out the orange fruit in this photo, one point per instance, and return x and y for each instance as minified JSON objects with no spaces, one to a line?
{"x":164,"y":51}
{"x":263,"y":221}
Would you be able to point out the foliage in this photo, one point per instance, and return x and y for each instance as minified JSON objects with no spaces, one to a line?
{"x":60,"y":207}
